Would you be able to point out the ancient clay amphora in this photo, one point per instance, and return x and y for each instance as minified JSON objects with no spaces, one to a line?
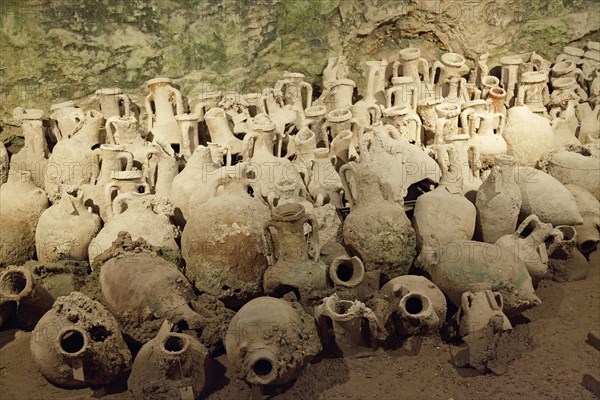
{"x":498,"y":202}
{"x":21,"y":204}
{"x":294,"y":257}
{"x":33,"y":157}
{"x":66,"y":229}
{"x":377,"y":229}
{"x":223,"y":242}
{"x":162,"y":104}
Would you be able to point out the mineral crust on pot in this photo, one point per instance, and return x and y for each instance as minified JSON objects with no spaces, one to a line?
{"x":270,"y":341}
{"x":223,"y":243}
{"x":79,"y":343}
{"x":168,"y":364}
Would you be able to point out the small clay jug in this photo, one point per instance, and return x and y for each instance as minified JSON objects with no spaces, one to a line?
{"x":532,"y":242}
{"x":476,"y":310}
{"x":339,"y":120}
{"x":113,"y":102}
{"x":70,"y":343}
{"x":466,"y":265}
{"x":21,"y":204}
{"x":123,"y":182}
{"x":376,"y":229}
{"x":170,"y":365}
{"x":450,"y":64}
{"x":498,"y":202}
{"x":314,"y":118}
{"x":260,"y":337}
{"x":66,"y":229}
{"x":294,"y":259}
{"x":566,"y":263}
{"x":223,"y":243}
{"x":324,"y":183}
{"x":509,"y":77}
{"x":351,"y":334}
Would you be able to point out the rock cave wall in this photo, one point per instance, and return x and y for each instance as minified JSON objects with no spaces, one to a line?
{"x":52,"y":51}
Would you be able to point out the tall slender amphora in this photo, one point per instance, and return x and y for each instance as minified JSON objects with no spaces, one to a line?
{"x":162,"y":104}
{"x":498,"y":202}
{"x":33,"y":157}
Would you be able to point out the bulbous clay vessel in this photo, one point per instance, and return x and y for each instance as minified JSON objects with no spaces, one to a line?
{"x":223,"y":243}
{"x":467,"y":265}
{"x":21,"y":204}
{"x":66,"y":229}
{"x":498,"y":201}
{"x":377,"y":229}
{"x":20,"y":292}
{"x":415,"y":305}
{"x":566,"y":263}
{"x":78,"y":343}
{"x":588,"y":233}
{"x":270,"y":341}
{"x":142,"y":290}
{"x":351,"y":336}
{"x":294,"y":261}
{"x":198,"y":174}
{"x":4,"y":164}
{"x":575,"y":164}
{"x":545,"y":197}
{"x":527,"y":135}
{"x":395,"y":160}
{"x":146,"y":216}
{"x":72,"y":159}
{"x":168,"y":366}
{"x":444,"y":214}
{"x":33,"y":157}
{"x":532,"y":247}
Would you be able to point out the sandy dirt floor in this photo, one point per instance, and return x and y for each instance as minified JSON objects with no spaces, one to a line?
{"x":545,"y":357}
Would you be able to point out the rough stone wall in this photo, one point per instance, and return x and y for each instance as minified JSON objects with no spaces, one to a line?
{"x":54,"y":50}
